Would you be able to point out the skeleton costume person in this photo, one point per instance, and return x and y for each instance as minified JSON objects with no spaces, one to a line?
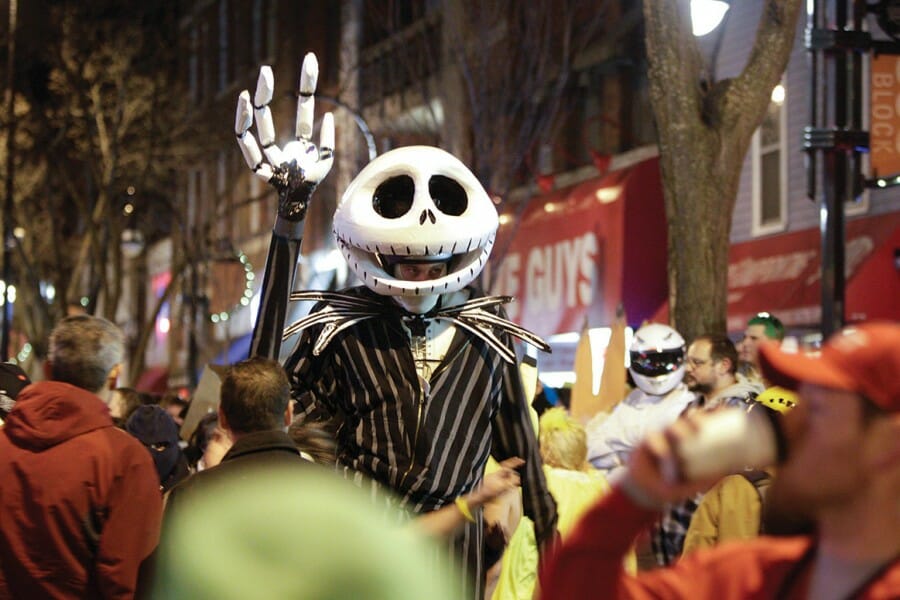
{"x":415,"y":367}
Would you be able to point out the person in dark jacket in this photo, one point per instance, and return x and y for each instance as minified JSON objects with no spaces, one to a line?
{"x":158,"y":432}
{"x":12,"y":380}
{"x":124,"y":401}
{"x":80,"y":506}
{"x":254,"y":410}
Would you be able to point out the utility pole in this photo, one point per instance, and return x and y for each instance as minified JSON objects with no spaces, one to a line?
{"x":8,"y":204}
{"x":835,"y":140}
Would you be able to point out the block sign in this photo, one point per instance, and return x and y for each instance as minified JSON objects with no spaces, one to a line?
{"x":885,"y":111}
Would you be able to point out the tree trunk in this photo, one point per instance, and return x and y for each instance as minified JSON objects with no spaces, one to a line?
{"x":136,"y":361}
{"x":699,"y":216}
{"x":705,"y":128}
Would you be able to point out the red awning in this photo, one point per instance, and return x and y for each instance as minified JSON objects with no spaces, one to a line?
{"x":580,"y":251}
{"x":873,"y":290}
{"x":781,"y":274}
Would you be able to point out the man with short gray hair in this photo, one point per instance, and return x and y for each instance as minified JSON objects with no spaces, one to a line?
{"x":80,"y":505}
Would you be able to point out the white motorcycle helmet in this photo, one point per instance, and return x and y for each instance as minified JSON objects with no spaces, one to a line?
{"x":657,"y":358}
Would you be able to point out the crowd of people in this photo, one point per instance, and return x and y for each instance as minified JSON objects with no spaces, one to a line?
{"x":401,"y":450}
{"x":836,"y":491}
{"x":101,"y":497}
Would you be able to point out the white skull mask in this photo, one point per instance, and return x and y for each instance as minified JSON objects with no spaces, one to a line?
{"x":415,"y":204}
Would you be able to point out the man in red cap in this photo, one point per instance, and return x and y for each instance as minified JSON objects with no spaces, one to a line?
{"x":842,"y":470}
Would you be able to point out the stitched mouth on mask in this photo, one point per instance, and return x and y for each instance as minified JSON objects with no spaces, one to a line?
{"x":369,"y":261}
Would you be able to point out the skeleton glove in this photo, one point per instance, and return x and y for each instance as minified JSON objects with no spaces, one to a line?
{"x":296,"y":170}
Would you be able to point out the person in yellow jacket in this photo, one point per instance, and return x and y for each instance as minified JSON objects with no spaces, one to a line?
{"x":574,"y":484}
{"x":732,"y":508}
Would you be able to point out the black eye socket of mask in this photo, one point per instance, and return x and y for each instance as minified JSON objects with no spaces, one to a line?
{"x":394,"y":196}
{"x":448,"y":195}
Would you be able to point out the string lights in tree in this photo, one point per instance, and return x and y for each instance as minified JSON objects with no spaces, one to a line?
{"x":246,"y":296}
{"x":22,"y":355}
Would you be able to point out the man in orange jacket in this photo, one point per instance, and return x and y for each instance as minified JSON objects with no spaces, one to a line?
{"x":842,"y":469}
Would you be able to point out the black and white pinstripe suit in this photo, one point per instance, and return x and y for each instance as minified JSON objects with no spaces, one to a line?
{"x":428,"y":447}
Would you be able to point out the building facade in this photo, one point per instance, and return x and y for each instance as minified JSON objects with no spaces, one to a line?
{"x":775,"y":262}
{"x":430,"y":72}
{"x":228,"y":213}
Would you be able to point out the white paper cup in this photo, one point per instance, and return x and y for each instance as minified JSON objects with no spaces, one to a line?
{"x":727,"y":441}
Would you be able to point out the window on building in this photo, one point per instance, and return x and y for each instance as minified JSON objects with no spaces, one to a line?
{"x":769,"y":159}
{"x":194,"y":65}
{"x":204,"y":193}
{"x":271,"y":28}
{"x":206,"y":66}
{"x":257,"y":207}
{"x":223,"y":46}
{"x":385,"y":18}
{"x":221,"y":174}
{"x":193,"y":195}
{"x":223,"y":199}
{"x":257,"y":30}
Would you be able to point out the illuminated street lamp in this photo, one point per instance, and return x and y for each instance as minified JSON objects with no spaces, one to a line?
{"x":7,"y":293}
{"x":132,"y":240}
{"x":706,"y":15}
{"x":132,"y":243}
